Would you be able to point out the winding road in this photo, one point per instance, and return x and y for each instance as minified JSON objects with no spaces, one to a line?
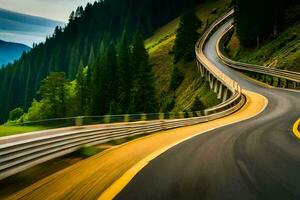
{"x":254,"y":159}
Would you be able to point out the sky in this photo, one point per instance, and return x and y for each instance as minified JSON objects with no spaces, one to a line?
{"x":52,"y":9}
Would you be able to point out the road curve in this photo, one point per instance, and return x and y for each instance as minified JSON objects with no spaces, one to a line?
{"x":255,"y":159}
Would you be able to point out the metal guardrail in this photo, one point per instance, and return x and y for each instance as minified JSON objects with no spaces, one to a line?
{"x":232,"y":85}
{"x":18,"y":156}
{"x":273,"y":72}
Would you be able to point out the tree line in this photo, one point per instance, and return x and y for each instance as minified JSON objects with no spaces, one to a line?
{"x":117,"y":80}
{"x":257,"y":20}
{"x":98,"y":48}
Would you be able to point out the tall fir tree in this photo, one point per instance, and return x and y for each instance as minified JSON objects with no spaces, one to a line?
{"x":186,"y":36}
{"x":143,"y":85}
{"x":81,"y":90}
{"x":96,"y":82}
{"x":267,"y":20}
{"x":125,"y":73}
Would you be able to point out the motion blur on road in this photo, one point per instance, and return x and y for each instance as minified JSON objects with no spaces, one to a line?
{"x":254,"y":159}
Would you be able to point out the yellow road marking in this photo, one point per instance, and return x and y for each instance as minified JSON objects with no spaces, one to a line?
{"x":124,"y":180}
{"x":90,"y":178}
{"x":296,"y":130}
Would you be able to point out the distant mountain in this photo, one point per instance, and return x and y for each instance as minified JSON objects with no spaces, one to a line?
{"x":25,"y":29}
{"x":11,"y":51}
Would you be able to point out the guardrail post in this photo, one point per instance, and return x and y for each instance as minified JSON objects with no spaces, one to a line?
{"x":79,"y":121}
{"x":225,"y":94}
{"x":206,"y":74}
{"x":284,"y":85}
{"x":295,"y":85}
{"x":206,"y":113}
{"x":211,"y":81}
{"x":220,"y":91}
{"x":200,"y":69}
{"x":171,"y":115}
{"x":216,"y":85}
{"x":143,"y":117}
{"x":181,"y":115}
{"x":107,"y":119}
{"x":203,"y":71}
{"x":161,"y":116}
{"x":126,"y":118}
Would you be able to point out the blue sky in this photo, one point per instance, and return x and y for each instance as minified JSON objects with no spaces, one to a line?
{"x":53,"y":9}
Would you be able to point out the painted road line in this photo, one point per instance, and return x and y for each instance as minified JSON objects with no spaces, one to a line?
{"x":90,"y":178}
{"x":124,"y":180}
{"x":296,"y":128}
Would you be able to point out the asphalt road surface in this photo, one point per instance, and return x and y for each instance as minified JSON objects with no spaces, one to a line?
{"x":255,"y":159}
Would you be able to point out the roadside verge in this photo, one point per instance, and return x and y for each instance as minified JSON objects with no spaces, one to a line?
{"x":109,"y":172}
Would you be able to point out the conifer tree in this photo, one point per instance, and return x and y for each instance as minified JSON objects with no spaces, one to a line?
{"x":143,"y":86}
{"x":62,"y":51}
{"x":91,"y":60}
{"x":81,"y":90}
{"x":252,"y":28}
{"x":96,"y":83}
{"x":125,"y":73}
{"x":186,"y":37}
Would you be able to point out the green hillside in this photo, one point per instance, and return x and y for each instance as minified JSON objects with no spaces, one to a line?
{"x":192,"y":86}
{"x":282,"y":52}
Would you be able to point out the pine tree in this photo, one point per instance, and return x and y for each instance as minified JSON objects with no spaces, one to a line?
{"x":251,"y":29}
{"x":143,"y":86}
{"x":186,"y":37}
{"x":91,"y":60}
{"x":139,"y":54}
{"x":96,"y":83}
{"x":62,"y":51}
{"x":81,"y":90}
{"x":177,"y":78}
{"x":125,"y":73}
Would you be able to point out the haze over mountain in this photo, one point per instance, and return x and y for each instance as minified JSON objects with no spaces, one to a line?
{"x":25,"y":29}
{"x":10,"y":51}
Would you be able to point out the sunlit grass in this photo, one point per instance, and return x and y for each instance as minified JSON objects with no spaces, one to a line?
{"x":159,"y":47}
{"x":282,"y":52}
{"x":13,"y":130}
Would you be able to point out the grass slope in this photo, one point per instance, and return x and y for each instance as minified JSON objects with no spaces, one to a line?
{"x":282,"y":52}
{"x":159,"y":46}
{"x":13,"y":130}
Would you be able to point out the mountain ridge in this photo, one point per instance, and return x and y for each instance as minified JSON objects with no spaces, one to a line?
{"x":25,"y":29}
{"x":10,"y":51}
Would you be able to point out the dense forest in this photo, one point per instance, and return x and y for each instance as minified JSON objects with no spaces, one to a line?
{"x":257,"y":20}
{"x":97,"y":61}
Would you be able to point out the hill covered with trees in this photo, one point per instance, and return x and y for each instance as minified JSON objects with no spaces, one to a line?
{"x":271,"y":37}
{"x":100,"y":36}
{"x":257,"y":20}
